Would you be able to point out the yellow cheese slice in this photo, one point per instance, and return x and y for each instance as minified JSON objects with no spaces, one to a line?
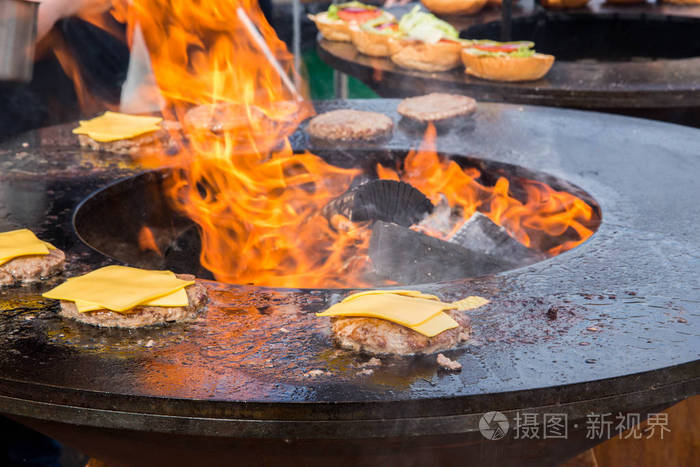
{"x":415,"y":310}
{"x":408,"y":293}
{"x":436,"y":325}
{"x":470,"y":303}
{"x":118,"y":288}
{"x":113,"y":126}
{"x":400,"y":309}
{"x":177,"y":298}
{"x":18,"y":243}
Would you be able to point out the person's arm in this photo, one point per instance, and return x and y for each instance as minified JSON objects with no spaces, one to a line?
{"x":51,"y":11}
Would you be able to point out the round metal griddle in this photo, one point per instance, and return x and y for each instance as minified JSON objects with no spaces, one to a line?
{"x":633,"y":59}
{"x":237,"y":384}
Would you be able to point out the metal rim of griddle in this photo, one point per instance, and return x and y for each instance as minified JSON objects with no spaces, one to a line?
{"x":363,"y":420}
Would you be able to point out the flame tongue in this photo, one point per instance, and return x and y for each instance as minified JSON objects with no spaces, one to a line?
{"x":545,"y":213}
{"x":257,"y":203}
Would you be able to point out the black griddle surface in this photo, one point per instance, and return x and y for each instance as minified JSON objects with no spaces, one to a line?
{"x":635,"y":281}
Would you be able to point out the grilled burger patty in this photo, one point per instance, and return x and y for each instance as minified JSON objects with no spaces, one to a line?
{"x":436,"y":107}
{"x":143,"y":315}
{"x":350,"y":125}
{"x":381,"y":337}
{"x":33,"y":268}
{"x":132,"y":146}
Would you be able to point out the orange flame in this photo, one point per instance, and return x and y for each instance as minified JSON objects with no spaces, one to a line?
{"x":256,"y":202}
{"x":147,"y":241}
{"x":545,"y":211}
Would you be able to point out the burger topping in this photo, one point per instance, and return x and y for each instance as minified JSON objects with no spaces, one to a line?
{"x":353,"y":11}
{"x":420,"y":312}
{"x":22,"y":242}
{"x":426,"y":27}
{"x":500,"y":49}
{"x":120,"y":289}
{"x":113,"y":126}
{"x":382,"y":25}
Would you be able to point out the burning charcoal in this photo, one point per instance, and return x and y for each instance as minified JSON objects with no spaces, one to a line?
{"x":410,"y":257}
{"x":385,"y":200}
{"x":480,"y":233}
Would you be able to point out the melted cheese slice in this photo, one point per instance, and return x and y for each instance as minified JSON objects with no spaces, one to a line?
{"x":177,"y":298}
{"x":113,"y":126}
{"x":22,"y":242}
{"x":415,"y":310}
{"x":400,"y":309}
{"x":470,"y":303}
{"x":436,"y":325}
{"x":118,"y":288}
{"x":407,"y":293}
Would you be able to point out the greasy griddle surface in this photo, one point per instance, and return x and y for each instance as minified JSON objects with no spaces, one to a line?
{"x":624,"y":302}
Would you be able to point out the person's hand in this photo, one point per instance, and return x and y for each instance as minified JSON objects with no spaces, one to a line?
{"x":51,"y":11}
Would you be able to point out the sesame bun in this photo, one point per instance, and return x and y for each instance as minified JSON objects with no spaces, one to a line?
{"x":418,"y":55}
{"x":555,"y":4}
{"x":454,"y":7}
{"x":371,"y":43}
{"x":333,"y":30}
{"x":507,"y":68}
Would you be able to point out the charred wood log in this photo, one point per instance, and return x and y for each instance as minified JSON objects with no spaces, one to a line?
{"x":480,"y":233}
{"x":409,"y":257}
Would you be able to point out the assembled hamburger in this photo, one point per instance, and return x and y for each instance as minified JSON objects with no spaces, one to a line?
{"x":455,"y":7}
{"x":505,"y":61}
{"x":427,"y":43}
{"x":375,"y":37}
{"x":334,"y":24}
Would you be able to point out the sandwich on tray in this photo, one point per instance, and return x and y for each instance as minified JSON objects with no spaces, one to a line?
{"x":334,"y":24}
{"x":455,"y":7}
{"x":427,"y":43}
{"x":505,"y":61}
{"x":374,"y":37}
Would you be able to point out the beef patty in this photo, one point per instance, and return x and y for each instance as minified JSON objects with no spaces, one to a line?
{"x":350,"y":125}
{"x":142,"y":315}
{"x":381,"y":337}
{"x":436,"y":107}
{"x":32,"y":268}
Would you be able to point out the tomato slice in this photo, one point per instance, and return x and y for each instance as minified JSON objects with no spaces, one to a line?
{"x":449,"y":41}
{"x":497,"y":48}
{"x":359,"y":15}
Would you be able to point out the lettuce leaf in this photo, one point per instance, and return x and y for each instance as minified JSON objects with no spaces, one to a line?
{"x":426,"y":27}
{"x":521,"y":52}
{"x":372,"y":25}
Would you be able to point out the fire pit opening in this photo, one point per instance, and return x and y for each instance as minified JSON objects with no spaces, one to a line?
{"x":636,"y":36}
{"x":409,"y":232}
